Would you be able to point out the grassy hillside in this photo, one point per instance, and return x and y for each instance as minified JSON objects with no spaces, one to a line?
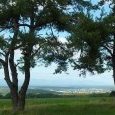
{"x":64,"y":106}
{"x":4,"y":90}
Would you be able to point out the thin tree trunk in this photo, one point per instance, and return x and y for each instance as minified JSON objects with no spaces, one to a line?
{"x":113,"y":60}
{"x":27,"y":61}
{"x":113,"y":65}
{"x":114,"y":73}
{"x":18,"y":98}
{"x":23,"y":90}
{"x":14,"y":89}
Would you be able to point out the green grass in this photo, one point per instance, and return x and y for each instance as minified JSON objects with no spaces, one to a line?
{"x":83,"y":105}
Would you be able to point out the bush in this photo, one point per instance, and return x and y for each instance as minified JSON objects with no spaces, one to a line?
{"x":1,"y":96}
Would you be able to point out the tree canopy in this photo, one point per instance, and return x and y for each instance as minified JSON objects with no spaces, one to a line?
{"x":94,"y":40}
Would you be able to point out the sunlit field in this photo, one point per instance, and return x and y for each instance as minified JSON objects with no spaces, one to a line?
{"x":84,"y":105}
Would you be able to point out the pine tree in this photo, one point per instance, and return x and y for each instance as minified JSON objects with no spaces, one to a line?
{"x":95,"y":40}
{"x":21,"y":21}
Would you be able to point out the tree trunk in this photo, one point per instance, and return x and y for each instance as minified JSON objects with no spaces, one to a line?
{"x":113,"y":59}
{"x":114,"y":71}
{"x":18,"y":98}
{"x":23,"y":90}
{"x":113,"y":63}
{"x":13,"y":89}
{"x":14,"y":97}
{"x":21,"y":101}
{"x":27,"y":63}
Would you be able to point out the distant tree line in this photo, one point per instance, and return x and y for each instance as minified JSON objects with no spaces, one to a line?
{"x":51,"y":95}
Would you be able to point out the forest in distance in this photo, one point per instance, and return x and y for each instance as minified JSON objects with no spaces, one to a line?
{"x":30,"y":32}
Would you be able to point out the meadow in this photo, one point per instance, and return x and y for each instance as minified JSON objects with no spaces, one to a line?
{"x":80,"y":105}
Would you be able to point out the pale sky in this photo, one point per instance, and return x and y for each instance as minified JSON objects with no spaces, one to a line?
{"x":41,"y":76}
{"x":44,"y":76}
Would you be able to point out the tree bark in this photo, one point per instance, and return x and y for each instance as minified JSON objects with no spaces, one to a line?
{"x":113,"y":56}
{"x":14,"y":97}
{"x":23,"y":90}
{"x":18,"y":98}
{"x":113,"y":59}
{"x":14,"y":89}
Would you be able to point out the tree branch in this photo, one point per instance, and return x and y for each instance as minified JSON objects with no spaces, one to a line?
{"x":13,"y":69}
{"x":2,"y":61}
{"x":12,"y":26}
{"x":109,"y":51}
{"x":2,"y":54}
